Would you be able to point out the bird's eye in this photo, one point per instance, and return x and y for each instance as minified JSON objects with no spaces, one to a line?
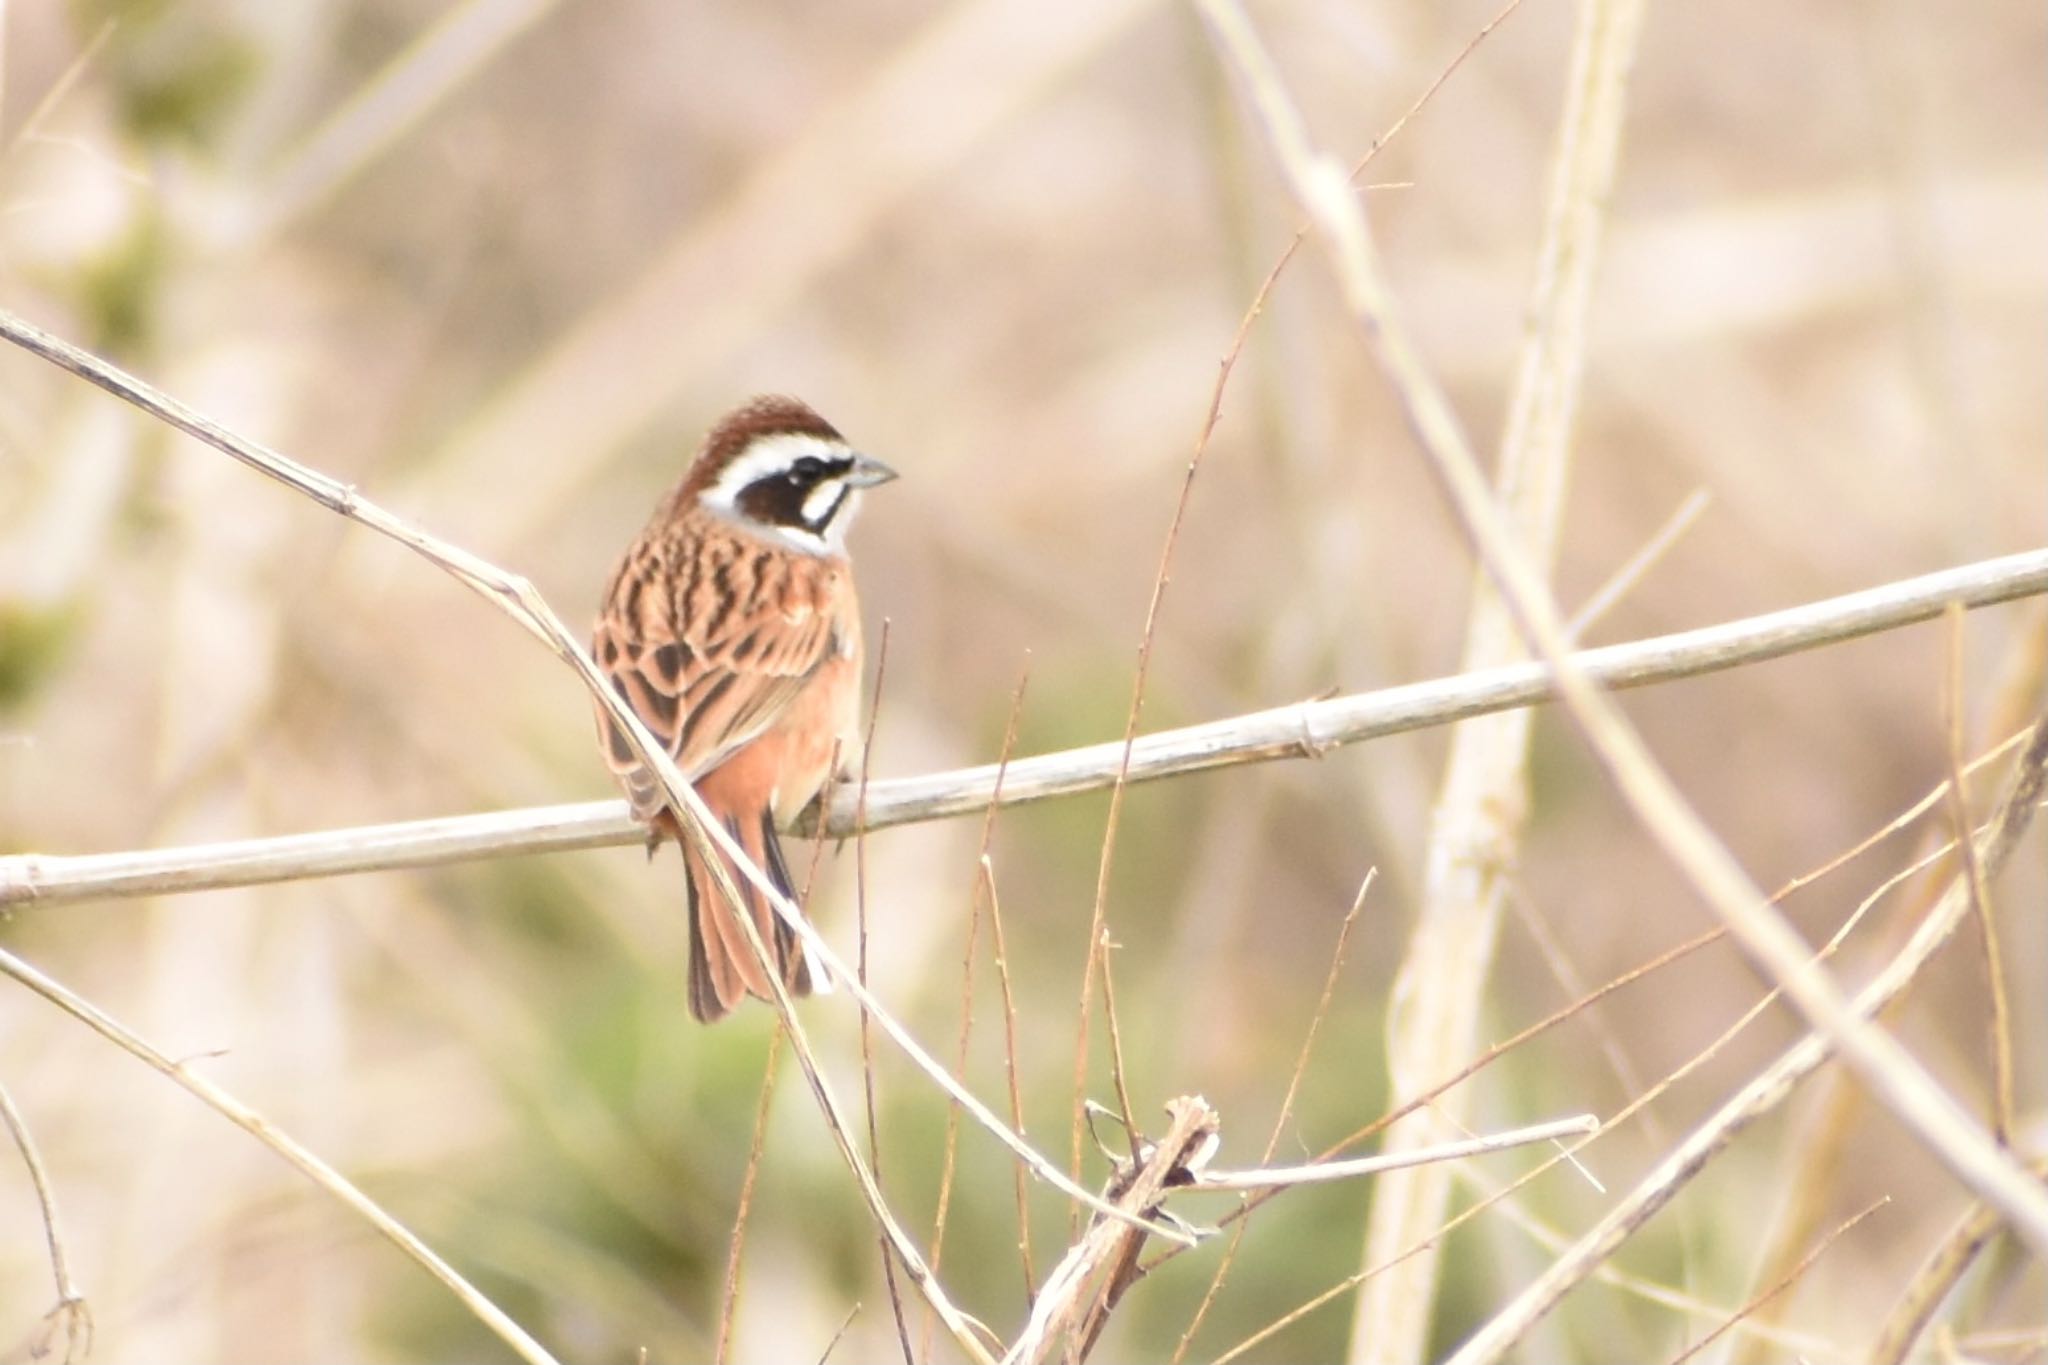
{"x":805,"y":469}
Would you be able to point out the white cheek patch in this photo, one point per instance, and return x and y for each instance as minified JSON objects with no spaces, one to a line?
{"x":819,"y":501}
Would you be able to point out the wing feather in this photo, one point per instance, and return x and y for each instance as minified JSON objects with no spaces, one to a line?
{"x":707,"y":672}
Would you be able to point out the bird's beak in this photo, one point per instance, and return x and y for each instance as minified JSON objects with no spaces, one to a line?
{"x":868,"y":471}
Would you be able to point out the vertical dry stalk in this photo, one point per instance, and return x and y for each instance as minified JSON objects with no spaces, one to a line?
{"x":1476,"y":827}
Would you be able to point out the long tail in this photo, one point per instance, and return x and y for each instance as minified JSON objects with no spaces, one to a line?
{"x":723,"y":969}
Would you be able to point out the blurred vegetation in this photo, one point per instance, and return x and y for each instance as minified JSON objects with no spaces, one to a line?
{"x":501,"y":265}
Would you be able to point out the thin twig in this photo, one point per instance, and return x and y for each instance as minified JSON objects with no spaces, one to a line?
{"x":958,"y":1325}
{"x":1125,"y":773}
{"x":1369,"y":1273}
{"x":1790,"y":1278}
{"x":1623,"y":580}
{"x":1098,"y":931}
{"x":312,"y":1167}
{"x":1552,"y":1240}
{"x":1116,"y":1032}
{"x":1303,"y":729}
{"x":995,"y":922}
{"x":1891,"y":1072}
{"x":1998,"y":838}
{"x":72,"y":1316}
{"x":74,"y":71}
{"x":839,"y":1332}
{"x":1319,"y":1172}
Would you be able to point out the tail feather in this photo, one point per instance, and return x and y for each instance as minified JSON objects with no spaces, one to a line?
{"x":723,"y":970}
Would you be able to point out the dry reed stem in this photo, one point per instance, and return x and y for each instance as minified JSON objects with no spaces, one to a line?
{"x":1302,"y":730}
{"x":1773,"y":948}
{"x":1662,"y":960}
{"x":71,"y":1316}
{"x":1476,"y":823}
{"x":1767,"y":1089}
{"x":494,"y":1318}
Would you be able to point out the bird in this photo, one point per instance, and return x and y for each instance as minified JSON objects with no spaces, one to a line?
{"x":731,"y":628}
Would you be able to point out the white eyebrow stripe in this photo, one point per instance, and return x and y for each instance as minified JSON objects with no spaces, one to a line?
{"x":766,"y":457}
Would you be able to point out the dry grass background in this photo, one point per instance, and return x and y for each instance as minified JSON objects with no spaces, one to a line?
{"x":1003,"y":245}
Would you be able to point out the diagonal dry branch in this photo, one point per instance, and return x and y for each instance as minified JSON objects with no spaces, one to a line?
{"x":518,"y":599}
{"x":1305,"y":729}
{"x":309,"y":1165}
{"x":1774,"y":949}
